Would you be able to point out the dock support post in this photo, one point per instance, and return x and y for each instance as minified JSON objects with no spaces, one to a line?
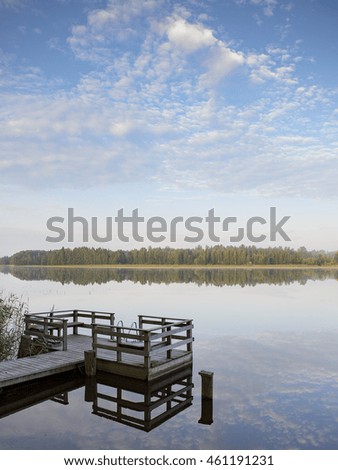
{"x":90,"y":389}
{"x":206,"y":397}
{"x":90,"y":363}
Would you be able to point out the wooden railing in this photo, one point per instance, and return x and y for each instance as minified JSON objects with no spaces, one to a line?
{"x":46,"y":324}
{"x":154,"y":334}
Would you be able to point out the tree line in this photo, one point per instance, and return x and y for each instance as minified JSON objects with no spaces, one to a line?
{"x":203,"y":276}
{"x":198,"y":256}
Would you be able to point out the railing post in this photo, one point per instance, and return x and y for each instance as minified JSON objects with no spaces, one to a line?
{"x":45,"y":326}
{"x":169,"y":351}
{"x":64,"y":334}
{"x":163,"y":329}
{"x":118,"y":343}
{"x":112,"y":321}
{"x":94,"y":338}
{"x":140,"y":321}
{"x":75,"y":320}
{"x":189,"y":336}
{"x":147,"y":350}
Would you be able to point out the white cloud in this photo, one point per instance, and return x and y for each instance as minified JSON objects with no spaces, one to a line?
{"x":189,"y":37}
{"x":96,"y":40}
{"x":280,"y":110}
{"x":163,"y":48}
{"x":217,"y":59}
{"x":125,"y":127}
{"x":276,"y":64}
{"x":222,"y":62}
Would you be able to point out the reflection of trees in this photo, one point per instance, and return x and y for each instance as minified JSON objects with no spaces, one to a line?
{"x":215,"y":277}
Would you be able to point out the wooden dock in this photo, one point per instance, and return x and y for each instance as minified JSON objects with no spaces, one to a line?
{"x":44,"y":365}
{"x":148,"y":351}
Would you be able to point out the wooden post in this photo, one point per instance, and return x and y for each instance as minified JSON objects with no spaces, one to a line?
{"x":189,"y":336}
{"x":206,"y":412}
{"x":140,"y":321}
{"x":90,"y":389}
{"x":207,"y":397}
{"x":75,"y":320}
{"x":45,"y":326}
{"x":119,"y":331}
{"x":112,"y":320}
{"x":163,"y":330}
{"x":90,"y":363}
{"x":207,"y":384}
{"x":169,"y":351}
{"x":94,"y":337}
{"x":147,"y":350}
{"x":64,"y":334}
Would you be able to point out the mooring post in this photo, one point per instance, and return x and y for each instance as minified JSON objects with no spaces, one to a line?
{"x":206,"y":397}
{"x":90,"y":363}
{"x":207,"y":384}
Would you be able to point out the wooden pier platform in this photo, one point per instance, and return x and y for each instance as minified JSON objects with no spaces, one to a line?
{"x":43,"y":365}
{"x":156,"y":347}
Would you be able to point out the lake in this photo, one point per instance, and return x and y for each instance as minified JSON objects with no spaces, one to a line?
{"x":270,"y":336}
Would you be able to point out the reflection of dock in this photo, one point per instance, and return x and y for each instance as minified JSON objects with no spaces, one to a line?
{"x":133,"y":402}
{"x":139,"y":404}
{"x":157,"y":346}
{"x":18,"y":398}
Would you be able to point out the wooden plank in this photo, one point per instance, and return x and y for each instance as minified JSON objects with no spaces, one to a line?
{"x":44,"y":365}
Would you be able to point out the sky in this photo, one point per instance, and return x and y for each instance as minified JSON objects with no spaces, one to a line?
{"x":171,"y":107}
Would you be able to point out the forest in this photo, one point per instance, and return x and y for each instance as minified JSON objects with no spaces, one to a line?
{"x":218,"y":255}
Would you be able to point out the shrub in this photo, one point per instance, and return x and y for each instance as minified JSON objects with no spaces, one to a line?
{"x":12,"y":310}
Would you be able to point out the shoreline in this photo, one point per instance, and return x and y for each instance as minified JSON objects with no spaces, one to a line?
{"x":174,"y":266}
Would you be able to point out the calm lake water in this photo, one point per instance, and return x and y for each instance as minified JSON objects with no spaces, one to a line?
{"x":269,"y":336}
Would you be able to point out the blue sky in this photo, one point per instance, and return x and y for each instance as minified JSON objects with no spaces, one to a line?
{"x":170,"y":107}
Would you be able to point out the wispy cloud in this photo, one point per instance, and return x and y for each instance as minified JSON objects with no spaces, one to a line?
{"x":14,"y":4}
{"x":268,"y":6}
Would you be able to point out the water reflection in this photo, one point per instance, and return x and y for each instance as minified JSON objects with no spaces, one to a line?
{"x":278,"y":391}
{"x":136,"y":403}
{"x":139,"y":404}
{"x":273,"y":349}
{"x":202,"y":276}
{"x":57,"y":388}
